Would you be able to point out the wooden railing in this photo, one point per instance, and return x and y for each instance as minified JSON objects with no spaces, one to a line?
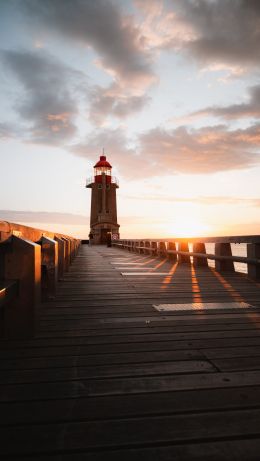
{"x":31,"y":263}
{"x":178,"y":250}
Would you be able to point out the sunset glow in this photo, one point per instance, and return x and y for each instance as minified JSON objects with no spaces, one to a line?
{"x":188,"y":228}
{"x":165,"y":87}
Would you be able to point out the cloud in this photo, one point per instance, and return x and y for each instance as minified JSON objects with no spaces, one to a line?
{"x":101,"y":25}
{"x":114,"y":142}
{"x":118,"y":42}
{"x":44,"y":217}
{"x":162,"y":27}
{"x":250,"y":109}
{"x":182,"y":150}
{"x":48,"y":103}
{"x":218,"y":33}
{"x":7,"y":130}
{"x":202,"y":151}
{"x":205,"y":200}
{"x":226,"y":31}
{"x":112,"y":101}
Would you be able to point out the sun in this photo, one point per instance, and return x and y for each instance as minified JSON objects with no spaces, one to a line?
{"x":189,"y":227}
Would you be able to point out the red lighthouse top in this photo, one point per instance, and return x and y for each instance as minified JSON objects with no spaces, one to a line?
{"x":103,"y":162}
{"x":102,"y":168}
{"x":102,"y":173}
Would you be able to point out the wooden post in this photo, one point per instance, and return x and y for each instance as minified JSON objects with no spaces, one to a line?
{"x":162,"y":249}
{"x":154,"y":248}
{"x":67,"y":254}
{"x":172,"y":246}
{"x":141,"y":251}
{"x":183,"y":246}
{"x":253,"y":251}
{"x":147,"y":245}
{"x":22,"y":262}
{"x":199,"y":248}
{"x":61,"y":256}
{"x":223,"y":249}
{"x":49,"y":265}
{"x":72,"y":249}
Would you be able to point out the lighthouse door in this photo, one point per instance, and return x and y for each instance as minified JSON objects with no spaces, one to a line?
{"x":104,"y":236}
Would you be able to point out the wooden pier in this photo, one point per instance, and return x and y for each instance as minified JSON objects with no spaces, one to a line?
{"x":110,"y":376}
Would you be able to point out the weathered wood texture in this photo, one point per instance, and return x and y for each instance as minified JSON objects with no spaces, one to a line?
{"x":109,"y":377}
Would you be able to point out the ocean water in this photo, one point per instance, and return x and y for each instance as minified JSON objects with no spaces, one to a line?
{"x":238,"y":249}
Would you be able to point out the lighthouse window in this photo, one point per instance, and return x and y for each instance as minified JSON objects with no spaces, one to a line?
{"x":100,"y":186}
{"x":108,"y":186}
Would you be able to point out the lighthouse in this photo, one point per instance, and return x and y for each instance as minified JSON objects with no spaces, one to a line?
{"x":103,"y":215}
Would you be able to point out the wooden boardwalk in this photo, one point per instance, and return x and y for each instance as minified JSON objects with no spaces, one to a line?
{"x":110,"y":377}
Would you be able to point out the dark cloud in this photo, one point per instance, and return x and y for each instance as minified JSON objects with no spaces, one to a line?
{"x":166,"y":152}
{"x":42,"y":217}
{"x":48,"y":102}
{"x":225,"y":30}
{"x":250,"y":109}
{"x":118,"y":42}
{"x":101,"y":25}
{"x":105,"y":102}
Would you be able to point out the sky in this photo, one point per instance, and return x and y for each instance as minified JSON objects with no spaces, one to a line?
{"x":169,"y":88}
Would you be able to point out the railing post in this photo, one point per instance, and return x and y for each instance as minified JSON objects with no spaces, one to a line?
{"x":72,"y":249}
{"x":141,"y":251}
{"x":183,"y":246}
{"x":172,"y":246}
{"x":78,"y":245}
{"x":147,"y":244}
{"x":61,"y":256}
{"x":22,"y":262}
{"x":162,"y":250}
{"x":67,"y":254}
{"x":49,"y":263}
{"x":253,"y":251}
{"x":223,"y":249}
{"x":154,"y":248}
{"x":199,"y":247}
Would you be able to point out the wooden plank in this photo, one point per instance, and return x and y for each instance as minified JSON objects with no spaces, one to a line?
{"x":105,"y":371}
{"x":32,"y":440}
{"x":95,"y":360}
{"x":120,"y":386}
{"x":125,"y":406}
{"x":244,"y":449}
